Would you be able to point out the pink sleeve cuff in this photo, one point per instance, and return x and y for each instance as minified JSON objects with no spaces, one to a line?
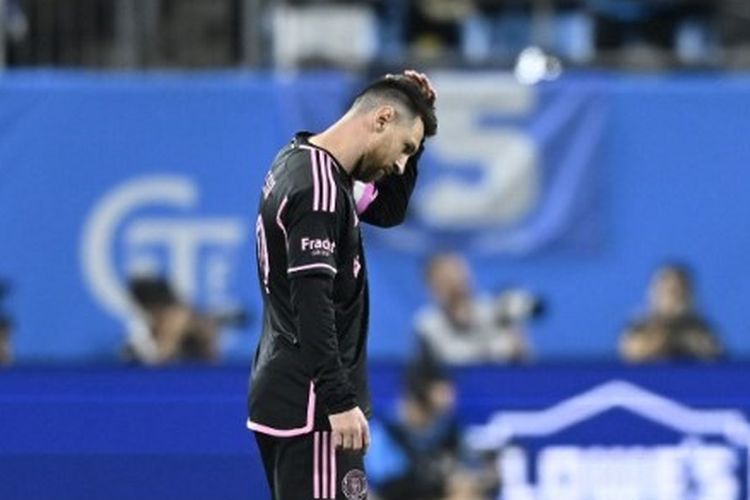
{"x":368,"y":196}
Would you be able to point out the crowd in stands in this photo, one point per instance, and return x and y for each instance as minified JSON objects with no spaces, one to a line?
{"x":622,"y":33}
{"x":286,"y":33}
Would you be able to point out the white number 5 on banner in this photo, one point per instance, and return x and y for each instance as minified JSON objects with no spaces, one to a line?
{"x":507,"y":157}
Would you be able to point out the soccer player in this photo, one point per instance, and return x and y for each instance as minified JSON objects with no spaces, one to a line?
{"x":309,"y":402}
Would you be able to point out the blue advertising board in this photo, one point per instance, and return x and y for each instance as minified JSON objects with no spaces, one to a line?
{"x":574,"y":189}
{"x":575,"y":432}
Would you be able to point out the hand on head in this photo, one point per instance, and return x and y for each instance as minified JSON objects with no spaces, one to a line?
{"x":420,"y":79}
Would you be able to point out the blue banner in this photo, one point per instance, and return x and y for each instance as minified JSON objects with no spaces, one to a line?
{"x":102,"y":177}
{"x":590,"y":180}
{"x":514,"y":170}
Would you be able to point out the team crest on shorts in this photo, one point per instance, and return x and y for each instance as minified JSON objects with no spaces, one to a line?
{"x":354,"y":485}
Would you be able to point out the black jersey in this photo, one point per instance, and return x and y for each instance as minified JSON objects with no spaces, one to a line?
{"x":308,"y":224}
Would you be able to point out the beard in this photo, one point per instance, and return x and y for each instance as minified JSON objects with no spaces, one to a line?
{"x":368,"y":169}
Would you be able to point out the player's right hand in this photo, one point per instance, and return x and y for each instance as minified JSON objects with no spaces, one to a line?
{"x":425,"y":85}
{"x":350,"y":430}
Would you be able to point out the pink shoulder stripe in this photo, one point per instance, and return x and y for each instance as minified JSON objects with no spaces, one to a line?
{"x":324,"y":184}
{"x":324,"y":181}
{"x":332,"y":184}
{"x":316,"y":180}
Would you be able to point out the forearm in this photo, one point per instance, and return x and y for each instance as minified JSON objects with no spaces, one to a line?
{"x":312,"y":299}
{"x":389,"y":207}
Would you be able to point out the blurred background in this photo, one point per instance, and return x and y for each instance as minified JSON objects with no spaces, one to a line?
{"x":574,"y":261}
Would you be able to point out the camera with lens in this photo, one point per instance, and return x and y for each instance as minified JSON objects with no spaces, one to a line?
{"x":515,"y":306}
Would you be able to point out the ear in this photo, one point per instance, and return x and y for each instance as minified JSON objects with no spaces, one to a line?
{"x":384,"y":115}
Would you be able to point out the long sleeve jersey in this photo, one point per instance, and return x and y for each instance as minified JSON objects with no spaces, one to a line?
{"x":310,"y":361}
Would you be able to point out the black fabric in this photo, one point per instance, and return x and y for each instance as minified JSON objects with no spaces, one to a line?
{"x":311,"y":234}
{"x":389,"y":208}
{"x":289,"y":464}
{"x":312,"y":298}
{"x":283,"y":371}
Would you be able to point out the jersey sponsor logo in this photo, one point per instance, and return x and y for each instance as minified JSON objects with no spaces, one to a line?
{"x":318,"y":246}
{"x":150,"y":225}
{"x":354,"y":485}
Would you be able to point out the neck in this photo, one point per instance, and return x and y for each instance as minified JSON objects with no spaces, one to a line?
{"x":337,"y":139}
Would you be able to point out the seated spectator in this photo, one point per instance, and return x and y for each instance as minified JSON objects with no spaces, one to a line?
{"x":498,"y":31}
{"x":623,"y":22}
{"x":697,"y":38}
{"x":167,"y":329}
{"x":415,"y":450}
{"x":671,"y":328}
{"x":434,"y":26}
{"x":15,"y":29}
{"x":667,"y":29}
{"x":462,"y":328}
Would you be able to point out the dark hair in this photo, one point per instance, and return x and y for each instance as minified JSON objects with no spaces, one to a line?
{"x":405,"y":91}
{"x":151,"y":291}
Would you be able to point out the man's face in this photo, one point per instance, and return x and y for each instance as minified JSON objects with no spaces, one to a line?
{"x":393,"y":140}
{"x":668,"y":295}
{"x":450,"y":280}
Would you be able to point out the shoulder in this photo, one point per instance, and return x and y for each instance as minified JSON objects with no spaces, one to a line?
{"x":297,"y":168}
{"x":429,"y":321}
{"x":311,"y":180}
{"x":698,"y":322}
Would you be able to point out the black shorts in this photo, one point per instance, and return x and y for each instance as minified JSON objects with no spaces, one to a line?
{"x":308,"y":467}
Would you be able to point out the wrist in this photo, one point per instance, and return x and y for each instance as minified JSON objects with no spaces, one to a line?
{"x":340,"y":406}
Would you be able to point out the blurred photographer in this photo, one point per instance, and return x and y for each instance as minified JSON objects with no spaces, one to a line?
{"x":671,"y":329}
{"x":463,"y":328}
{"x":416,"y":449}
{"x":167,"y":329}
